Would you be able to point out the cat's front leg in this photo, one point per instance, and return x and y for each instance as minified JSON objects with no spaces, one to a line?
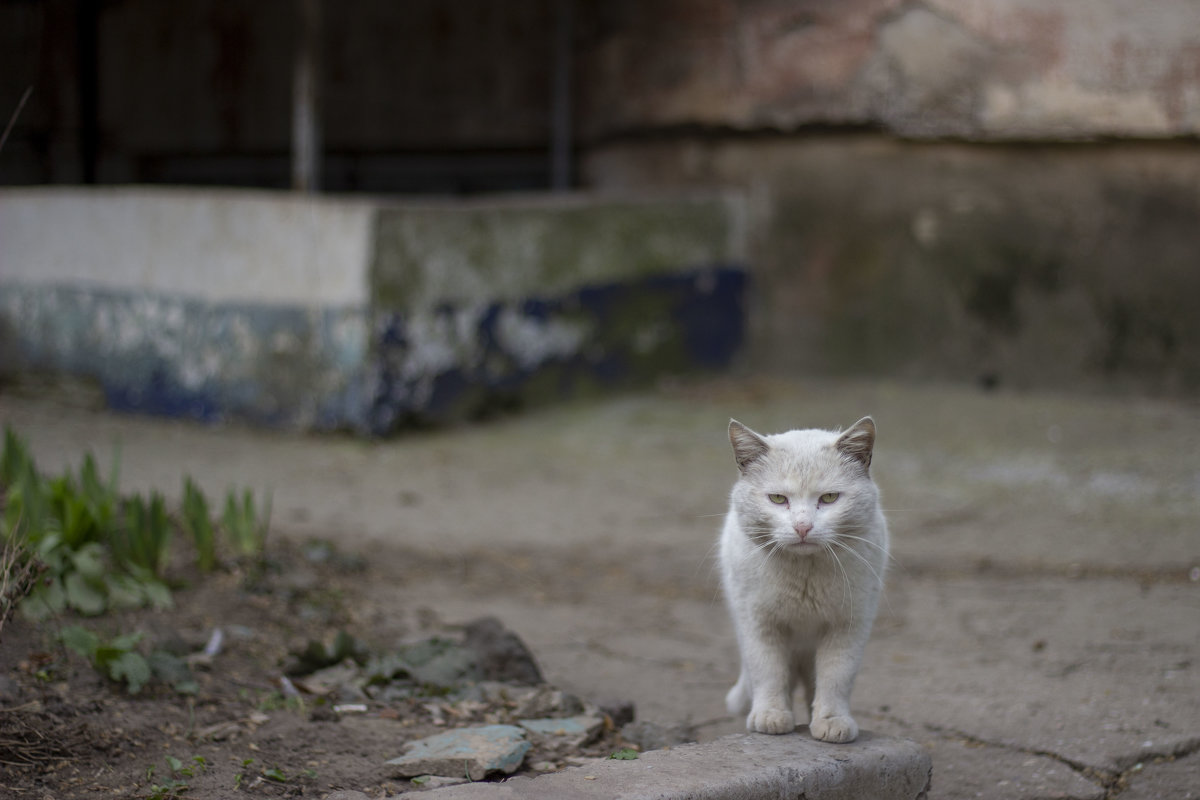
{"x":770,"y":690}
{"x":836,"y":665}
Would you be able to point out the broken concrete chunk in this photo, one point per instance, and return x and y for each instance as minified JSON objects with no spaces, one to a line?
{"x":473,"y":752}
{"x":547,"y":701}
{"x":502,"y":654}
{"x":577,"y":730}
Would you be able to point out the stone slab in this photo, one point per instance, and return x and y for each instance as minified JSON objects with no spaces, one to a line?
{"x":737,"y":767}
{"x":474,"y":752}
{"x":1174,"y":778}
{"x":584,"y":725}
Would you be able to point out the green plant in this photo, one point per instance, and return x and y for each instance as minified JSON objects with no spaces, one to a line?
{"x":25,"y":504}
{"x":275,"y":774}
{"x":247,"y":532}
{"x":92,"y":550}
{"x":190,"y":769}
{"x":144,"y":535}
{"x":175,"y":786}
{"x":73,"y":542}
{"x":87,"y":508}
{"x":241,"y":776}
{"x":196,"y":521}
{"x":117,"y":658}
{"x":275,"y":700}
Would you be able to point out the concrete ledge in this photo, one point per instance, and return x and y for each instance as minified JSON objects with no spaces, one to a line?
{"x":739,"y":767}
{"x":336,"y":314}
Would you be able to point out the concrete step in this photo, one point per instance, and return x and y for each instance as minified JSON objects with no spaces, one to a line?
{"x":743,"y":766}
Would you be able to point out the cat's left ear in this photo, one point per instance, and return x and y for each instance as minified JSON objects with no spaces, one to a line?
{"x":748,"y":446}
{"x":858,"y":442}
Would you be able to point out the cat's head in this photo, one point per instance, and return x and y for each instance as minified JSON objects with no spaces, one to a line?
{"x":800,"y":491}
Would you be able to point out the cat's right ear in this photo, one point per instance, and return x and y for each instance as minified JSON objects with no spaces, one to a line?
{"x":748,"y":446}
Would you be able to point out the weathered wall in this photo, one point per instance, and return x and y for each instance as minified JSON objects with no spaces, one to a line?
{"x":995,"y":189}
{"x":975,"y":69}
{"x":329,"y":313}
{"x":203,"y":304}
{"x":1031,"y":265}
{"x":1001,"y":190}
{"x":481,"y":305}
{"x":201,"y":90}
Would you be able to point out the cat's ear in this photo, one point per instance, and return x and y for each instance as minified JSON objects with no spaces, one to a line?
{"x":858,"y":442}
{"x":748,"y":446}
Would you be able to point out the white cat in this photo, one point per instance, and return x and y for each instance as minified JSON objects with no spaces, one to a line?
{"x":802,"y":554}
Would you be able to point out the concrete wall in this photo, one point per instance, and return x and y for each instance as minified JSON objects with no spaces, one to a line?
{"x":972,"y":69}
{"x":324,"y":313}
{"x":1024,"y":266}
{"x":1001,"y":190}
{"x":1005,"y":191}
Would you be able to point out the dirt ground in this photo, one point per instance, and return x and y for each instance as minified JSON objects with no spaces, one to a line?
{"x":1040,"y":632}
{"x":68,"y":732}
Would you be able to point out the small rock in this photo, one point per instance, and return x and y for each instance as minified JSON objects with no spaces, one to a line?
{"x":621,"y":712}
{"x":475,"y":752}
{"x":315,"y":654}
{"x":323,"y":713}
{"x":493,"y":693}
{"x":502,"y":654}
{"x":577,"y":730}
{"x":328,"y":680}
{"x":347,"y":794}
{"x":651,"y":736}
{"x":549,"y":702}
{"x":442,"y":663}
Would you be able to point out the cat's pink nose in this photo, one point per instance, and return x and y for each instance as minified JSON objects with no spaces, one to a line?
{"x":802,"y":529}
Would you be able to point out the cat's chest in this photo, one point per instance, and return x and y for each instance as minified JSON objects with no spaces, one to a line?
{"x":802,"y":598}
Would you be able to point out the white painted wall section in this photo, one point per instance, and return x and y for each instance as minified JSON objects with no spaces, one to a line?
{"x":213,"y":245}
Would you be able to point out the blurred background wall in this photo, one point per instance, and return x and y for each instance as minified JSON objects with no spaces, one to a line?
{"x":1001,"y":191}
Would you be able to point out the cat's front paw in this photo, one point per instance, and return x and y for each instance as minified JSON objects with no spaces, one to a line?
{"x":834,"y":729}
{"x":771,"y":720}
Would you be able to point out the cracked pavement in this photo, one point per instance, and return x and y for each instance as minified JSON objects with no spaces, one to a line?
{"x":1040,"y":633}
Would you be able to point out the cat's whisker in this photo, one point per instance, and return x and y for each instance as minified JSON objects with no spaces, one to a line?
{"x":870,"y":567}
{"x":709,"y":557}
{"x":878,"y":577}
{"x":841,"y":534}
{"x":845,"y":579}
{"x":891,"y":558}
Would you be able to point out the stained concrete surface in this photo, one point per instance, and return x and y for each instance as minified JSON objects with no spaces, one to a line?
{"x":1040,"y":634}
{"x":744,"y":766}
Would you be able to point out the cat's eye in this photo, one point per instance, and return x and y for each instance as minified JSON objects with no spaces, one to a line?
{"x":828,"y":497}
{"x":777,"y":499}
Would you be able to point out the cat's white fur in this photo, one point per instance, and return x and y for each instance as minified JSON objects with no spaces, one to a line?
{"x":802,"y":577}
